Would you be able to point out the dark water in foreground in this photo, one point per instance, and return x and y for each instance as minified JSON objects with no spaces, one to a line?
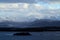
{"x":35,"y":36}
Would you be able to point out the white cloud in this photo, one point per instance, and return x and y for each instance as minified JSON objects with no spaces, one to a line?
{"x":26,"y":6}
{"x":8,"y":5}
{"x":24,"y":11}
{"x":38,"y":6}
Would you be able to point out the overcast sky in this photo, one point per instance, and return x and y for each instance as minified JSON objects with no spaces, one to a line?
{"x":29,"y":10}
{"x":26,"y":1}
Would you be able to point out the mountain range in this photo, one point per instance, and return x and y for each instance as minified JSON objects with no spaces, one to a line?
{"x":36,"y":23}
{"x":44,"y":23}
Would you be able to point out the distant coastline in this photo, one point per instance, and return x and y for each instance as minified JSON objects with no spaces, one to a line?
{"x":36,"y":29}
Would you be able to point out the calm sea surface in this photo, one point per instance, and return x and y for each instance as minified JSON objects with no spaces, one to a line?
{"x":34,"y":36}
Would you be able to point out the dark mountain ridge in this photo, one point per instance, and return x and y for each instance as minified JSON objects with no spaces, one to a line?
{"x":45,"y":22}
{"x":36,"y":23}
{"x":12,"y":24}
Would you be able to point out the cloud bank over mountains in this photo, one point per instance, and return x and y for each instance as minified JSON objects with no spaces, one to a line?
{"x":29,"y":12}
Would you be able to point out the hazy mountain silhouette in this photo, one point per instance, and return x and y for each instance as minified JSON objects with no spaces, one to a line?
{"x":44,"y":23}
{"x":12,"y":24}
{"x":36,"y":23}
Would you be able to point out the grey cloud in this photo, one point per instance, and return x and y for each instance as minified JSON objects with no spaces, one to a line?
{"x":48,"y":0}
{"x":53,"y":0}
{"x":17,"y":1}
{"x":26,"y":1}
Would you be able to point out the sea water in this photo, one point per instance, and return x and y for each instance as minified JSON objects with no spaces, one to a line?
{"x":34,"y":36}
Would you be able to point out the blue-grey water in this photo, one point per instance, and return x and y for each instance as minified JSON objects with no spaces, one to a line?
{"x":34,"y":36}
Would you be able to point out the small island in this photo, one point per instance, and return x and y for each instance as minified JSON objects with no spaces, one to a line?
{"x":22,"y":34}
